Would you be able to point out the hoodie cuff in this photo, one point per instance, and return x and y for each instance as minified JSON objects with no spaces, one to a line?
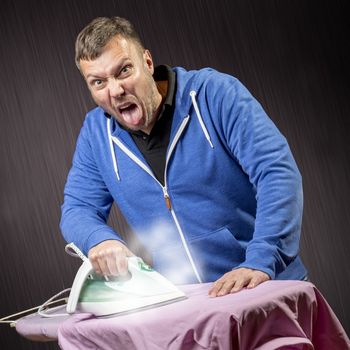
{"x":264,"y":260}
{"x":99,"y":236}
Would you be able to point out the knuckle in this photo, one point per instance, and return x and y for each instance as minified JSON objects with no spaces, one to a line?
{"x":93,"y":257}
{"x":117,"y":250}
{"x":111,"y":252}
{"x":238,"y":285}
{"x":219,"y":282}
{"x":101,"y":254}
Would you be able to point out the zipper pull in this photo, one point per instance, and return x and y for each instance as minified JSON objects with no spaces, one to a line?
{"x":167,"y":198}
{"x":167,"y":202}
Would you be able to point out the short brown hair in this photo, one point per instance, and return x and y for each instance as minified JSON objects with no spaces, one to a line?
{"x":95,"y":36}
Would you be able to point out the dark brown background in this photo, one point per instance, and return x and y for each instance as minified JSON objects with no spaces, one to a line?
{"x":292,"y":55}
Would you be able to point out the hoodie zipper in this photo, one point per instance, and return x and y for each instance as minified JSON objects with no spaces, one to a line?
{"x":167,"y":198}
{"x":165,"y":187}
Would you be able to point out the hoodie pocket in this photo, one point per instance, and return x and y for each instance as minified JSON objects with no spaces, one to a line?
{"x":216,"y":253}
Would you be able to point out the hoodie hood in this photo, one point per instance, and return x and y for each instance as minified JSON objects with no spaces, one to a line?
{"x":188,"y":81}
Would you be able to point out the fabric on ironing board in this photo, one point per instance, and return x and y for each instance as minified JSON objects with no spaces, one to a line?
{"x":268,"y":317}
{"x":37,"y":328}
{"x":274,"y":315}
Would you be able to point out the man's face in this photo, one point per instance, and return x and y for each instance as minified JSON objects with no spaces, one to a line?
{"x":120,"y":81}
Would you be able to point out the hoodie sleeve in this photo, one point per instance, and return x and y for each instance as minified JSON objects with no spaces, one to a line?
{"x":87,"y":201}
{"x":264,"y":155}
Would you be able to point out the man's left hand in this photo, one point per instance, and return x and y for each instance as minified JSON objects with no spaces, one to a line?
{"x":235,"y":280}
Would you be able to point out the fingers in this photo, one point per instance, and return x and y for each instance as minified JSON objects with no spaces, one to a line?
{"x":111,"y":268}
{"x":258,"y":278}
{"x":109,"y":258}
{"x":216,"y":288}
{"x":236,"y":280}
{"x":228,"y":285}
{"x":121,"y":264}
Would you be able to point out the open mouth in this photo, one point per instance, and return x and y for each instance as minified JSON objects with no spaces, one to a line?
{"x":127,"y":107}
{"x":131,"y":113}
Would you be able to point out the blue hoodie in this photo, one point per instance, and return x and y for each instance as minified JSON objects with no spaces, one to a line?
{"x":232,"y":195}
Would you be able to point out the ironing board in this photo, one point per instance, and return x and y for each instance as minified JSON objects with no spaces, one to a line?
{"x":274,"y":315}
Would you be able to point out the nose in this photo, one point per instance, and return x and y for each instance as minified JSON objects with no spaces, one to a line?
{"x":115,"y":88}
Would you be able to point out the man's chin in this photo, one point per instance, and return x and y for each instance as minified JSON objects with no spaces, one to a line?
{"x":130,"y":126}
{"x":133,"y":127}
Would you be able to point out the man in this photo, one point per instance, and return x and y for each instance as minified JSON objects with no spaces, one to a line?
{"x":201,"y":174}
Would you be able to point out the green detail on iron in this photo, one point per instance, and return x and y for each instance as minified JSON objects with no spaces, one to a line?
{"x":143,"y":266}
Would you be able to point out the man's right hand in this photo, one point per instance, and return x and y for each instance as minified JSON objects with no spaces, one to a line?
{"x":109,"y":258}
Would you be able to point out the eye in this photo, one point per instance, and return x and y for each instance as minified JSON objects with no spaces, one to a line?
{"x":96,"y":84}
{"x":125,"y":70}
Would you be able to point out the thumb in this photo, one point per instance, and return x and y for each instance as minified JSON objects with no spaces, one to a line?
{"x":128,"y":252}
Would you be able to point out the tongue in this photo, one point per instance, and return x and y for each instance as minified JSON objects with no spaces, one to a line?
{"x":132,"y":114}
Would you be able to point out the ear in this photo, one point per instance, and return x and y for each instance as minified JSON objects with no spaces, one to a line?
{"x":147,"y":58}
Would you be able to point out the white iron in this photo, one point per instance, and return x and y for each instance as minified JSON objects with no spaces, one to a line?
{"x":143,"y":288}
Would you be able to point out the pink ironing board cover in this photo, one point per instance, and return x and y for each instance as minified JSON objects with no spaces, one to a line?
{"x":274,"y":315}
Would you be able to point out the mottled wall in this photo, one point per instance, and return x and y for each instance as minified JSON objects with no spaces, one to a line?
{"x":292,"y":55}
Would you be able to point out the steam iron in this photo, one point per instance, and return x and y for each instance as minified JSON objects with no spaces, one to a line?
{"x":143,"y":288}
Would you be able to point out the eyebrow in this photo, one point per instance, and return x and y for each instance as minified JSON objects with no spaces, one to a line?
{"x":114,"y":69}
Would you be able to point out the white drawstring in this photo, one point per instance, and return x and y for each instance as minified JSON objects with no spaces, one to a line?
{"x":112,"y":148}
{"x":201,"y":122}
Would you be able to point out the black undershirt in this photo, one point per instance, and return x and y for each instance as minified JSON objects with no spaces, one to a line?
{"x":154,"y":146}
